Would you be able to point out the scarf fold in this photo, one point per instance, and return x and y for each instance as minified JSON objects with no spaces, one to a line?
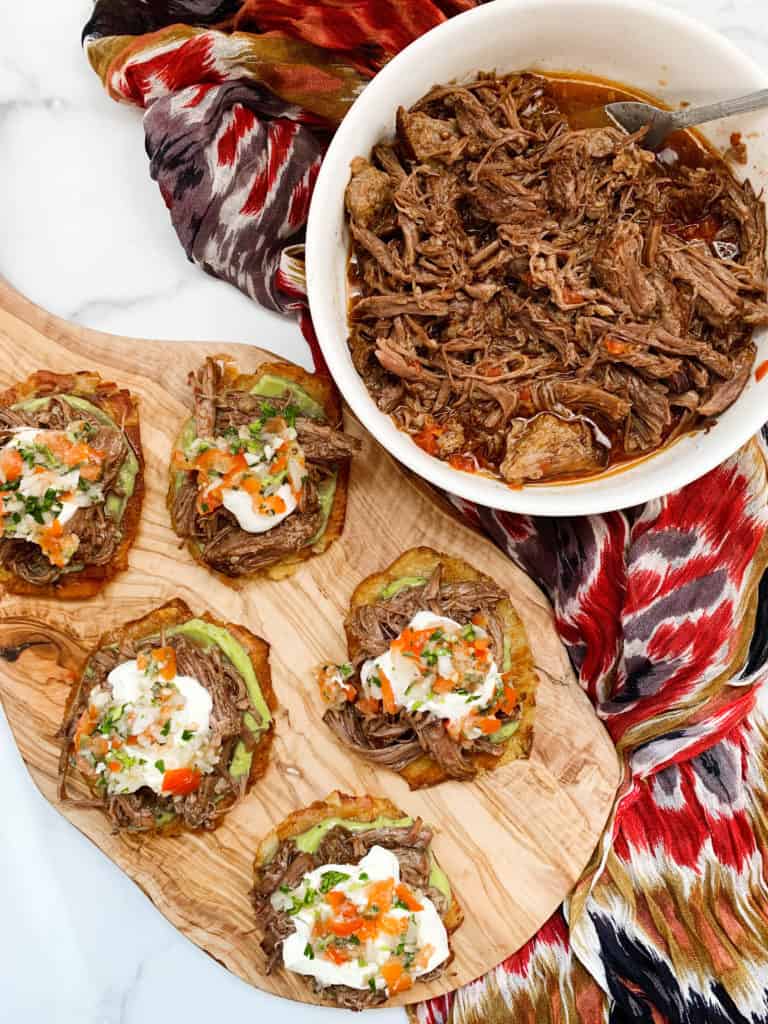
{"x":663,"y":608}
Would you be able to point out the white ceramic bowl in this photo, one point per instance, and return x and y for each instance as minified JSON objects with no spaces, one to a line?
{"x":631,"y":41}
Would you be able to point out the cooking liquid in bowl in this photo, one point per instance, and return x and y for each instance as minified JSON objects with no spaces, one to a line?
{"x":580,"y":100}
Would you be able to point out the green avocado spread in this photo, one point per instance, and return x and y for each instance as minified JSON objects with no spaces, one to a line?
{"x":205,"y":634}
{"x":270,"y":386}
{"x":404,"y":583}
{"x":126,"y":477}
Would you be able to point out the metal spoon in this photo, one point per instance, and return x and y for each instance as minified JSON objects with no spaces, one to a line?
{"x":631,"y":117}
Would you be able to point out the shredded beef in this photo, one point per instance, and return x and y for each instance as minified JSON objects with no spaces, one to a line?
{"x":221,"y":541}
{"x":218,"y":790}
{"x":508,"y":265}
{"x":409,"y":843}
{"x":398,"y":740}
{"x":99,"y":534}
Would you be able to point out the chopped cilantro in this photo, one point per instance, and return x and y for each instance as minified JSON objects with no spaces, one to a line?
{"x":166,"y":728}
{"x":345,"y":670}
{"x":401,"y":905}
{"x":268,"y":411}
{"x":160,"y":765}
{"x":285,"y":888}
{"x":364,"y":876}
{"x":111,"y":719}
{"x":309,"y":953}
{"x":82,"y":484}
{"x":372,"y":984}
{"x":291,"y":412}
{"x":330,"y":879}
{"x":437,"y":635}
{"x":468,"y":633}
{"x":187,"y":734}
{"x":353,"y":940}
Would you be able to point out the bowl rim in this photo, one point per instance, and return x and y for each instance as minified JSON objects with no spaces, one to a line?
{"x":489,"y":491}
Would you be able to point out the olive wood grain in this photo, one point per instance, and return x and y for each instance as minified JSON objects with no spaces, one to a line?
{"x":512,"y":843}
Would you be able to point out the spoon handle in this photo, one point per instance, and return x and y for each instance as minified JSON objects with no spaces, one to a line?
{"x":713,"y":111}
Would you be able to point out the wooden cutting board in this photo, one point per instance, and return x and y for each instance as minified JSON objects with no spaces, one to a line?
{"x":513,"y":844}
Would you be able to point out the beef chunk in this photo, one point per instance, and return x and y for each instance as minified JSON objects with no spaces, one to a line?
{"x":548,"y":446}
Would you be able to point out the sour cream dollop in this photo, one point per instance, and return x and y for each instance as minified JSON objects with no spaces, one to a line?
{"x":446,"y":668}
{"x":147,"y":721}
{"x":356,"y":925}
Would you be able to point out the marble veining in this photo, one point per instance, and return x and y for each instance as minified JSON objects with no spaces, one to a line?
{"x":86,"y":235}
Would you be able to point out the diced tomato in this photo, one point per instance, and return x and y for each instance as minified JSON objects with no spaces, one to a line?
{"x":335,"y":899}
{"x":466,"y":463}
{"x":379,"y":894}
{"x":412,"y":641}
{"x":614,"y":346}
{"x":395,"y":977}
{"x":132,"y":741}
{"x":508,"y":701}
{"x":369,"y":705}
{"x":114,"y":766}
{"x":479,"y":620}
{"x":405,"y":894}
{"x":488,"y":725}
{"x":209,"y":501}
{"x":336,"y":955}
{"x":394,"y":925}
{"x":11,"y":464}
{"x":181,"y":781}
{"x":442,"y":685}
{"x":571,"y":297}
{"x":54,"y":545}
{"x":344,"y":927}
{"x":100,"y":745}
{"x":165,"y":658}
{"x":272,"y":503}
{"x":427,"y":437}
{"x":180,"y":461}
{"x":237,"y":466}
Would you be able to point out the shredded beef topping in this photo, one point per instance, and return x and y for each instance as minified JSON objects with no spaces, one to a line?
{"x":99,"y":534}
{"x":396,"y":740}
{"x":218,"y":790}
{"x":538,"y":301}
{"x":410,"y":844}
{"x":222,"y":542}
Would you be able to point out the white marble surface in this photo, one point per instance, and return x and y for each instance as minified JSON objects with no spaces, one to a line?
{"x":86,"y":235}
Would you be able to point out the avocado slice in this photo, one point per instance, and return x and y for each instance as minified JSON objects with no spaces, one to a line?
{"x":271,"y":386}
{"x":126,"y":477}
{"x":241,"y":761}
{"x":404,"y":583}
{"x":505,"y":732}
{"x":205,"y":634}
{"x":439,"y":879}
{"x":31,"y":404}
{"x":326,"y":492}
